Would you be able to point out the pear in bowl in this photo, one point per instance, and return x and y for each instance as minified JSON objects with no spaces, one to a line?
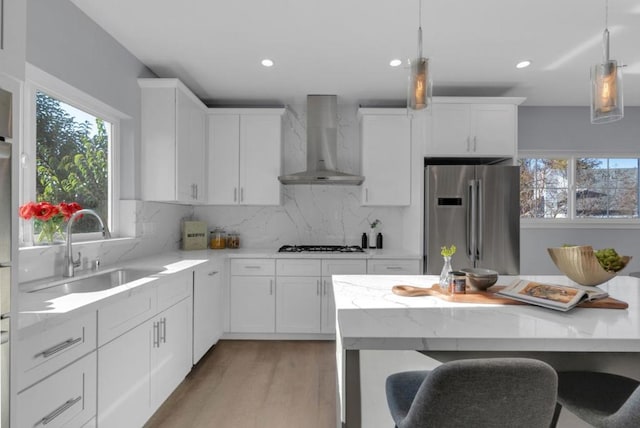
{"x":581,"y":265}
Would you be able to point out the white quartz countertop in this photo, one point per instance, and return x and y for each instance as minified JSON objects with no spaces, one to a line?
{"x":370,"y":316}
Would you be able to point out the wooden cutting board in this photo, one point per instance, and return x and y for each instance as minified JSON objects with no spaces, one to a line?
{"x":489,"y":296}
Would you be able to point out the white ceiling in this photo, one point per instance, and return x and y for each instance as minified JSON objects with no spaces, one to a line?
{"x":344,"y":47}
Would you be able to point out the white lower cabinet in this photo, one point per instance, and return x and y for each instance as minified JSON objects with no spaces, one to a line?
{"x":208,"y":318}
{"x":252,"y":299}
{"x":65,"y":399}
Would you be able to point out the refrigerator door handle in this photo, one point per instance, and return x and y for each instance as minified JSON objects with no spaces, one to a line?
{"x":471,"y":222}
{"x":480,"y":218}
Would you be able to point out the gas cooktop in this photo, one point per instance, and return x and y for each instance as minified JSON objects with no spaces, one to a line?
{"x":321,"y":248}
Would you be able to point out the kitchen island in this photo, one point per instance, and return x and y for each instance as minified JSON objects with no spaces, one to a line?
{"x":371,"y":317}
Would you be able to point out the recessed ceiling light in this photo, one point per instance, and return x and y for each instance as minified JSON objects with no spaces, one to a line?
{"x":395,"y":62}
{"x":523,"y":64}
{"x":267,"y":62}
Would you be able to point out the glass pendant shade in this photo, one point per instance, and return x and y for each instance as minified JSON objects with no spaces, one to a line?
{"x":606,"y":93}
{"x":419,"y":85}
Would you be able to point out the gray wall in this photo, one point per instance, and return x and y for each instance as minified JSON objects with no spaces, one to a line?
{"x":65,"y":43}
{"x":568,"y":130}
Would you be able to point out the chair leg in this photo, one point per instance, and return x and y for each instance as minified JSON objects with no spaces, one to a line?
{"x":556,"y":415}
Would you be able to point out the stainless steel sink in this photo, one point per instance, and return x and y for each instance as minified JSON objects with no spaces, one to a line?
{"x":97,"y":282}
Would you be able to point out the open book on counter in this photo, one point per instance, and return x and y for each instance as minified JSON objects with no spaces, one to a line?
{"x":552,"y":296}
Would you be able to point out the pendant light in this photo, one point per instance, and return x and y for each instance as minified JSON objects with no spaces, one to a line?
{"x":606,"y":84}
{"x":419,"y":83}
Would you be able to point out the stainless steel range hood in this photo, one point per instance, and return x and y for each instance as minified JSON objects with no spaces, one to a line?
{"x":322,"y":142}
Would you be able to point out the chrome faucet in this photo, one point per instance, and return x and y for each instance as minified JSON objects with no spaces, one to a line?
{"x":69,"y":263}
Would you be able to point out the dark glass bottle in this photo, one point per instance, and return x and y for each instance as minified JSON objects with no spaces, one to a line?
{"x":379,"y":241}
{"x":365,"y":241}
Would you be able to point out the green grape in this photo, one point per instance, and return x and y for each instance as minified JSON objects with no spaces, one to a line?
{"x":609,"y":259}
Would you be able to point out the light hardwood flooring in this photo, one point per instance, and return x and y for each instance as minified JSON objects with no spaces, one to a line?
{"x":266,"y":384}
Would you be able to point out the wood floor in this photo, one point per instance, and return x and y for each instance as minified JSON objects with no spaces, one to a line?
{"x":266,"y":384}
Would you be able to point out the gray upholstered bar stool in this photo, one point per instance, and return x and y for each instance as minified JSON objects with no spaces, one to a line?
{"x":479,"y":393}
{"x":601,"y":399}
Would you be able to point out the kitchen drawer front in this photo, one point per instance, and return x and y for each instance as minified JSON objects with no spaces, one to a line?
{"x":65,"y":399}
{"x":344,"y":267}
{"x":42,"y":354}
{"x":251,"y":267}
{"x":174,"y":289}
{"x":300,"y":267}
{"x":125,"y":314}
{"x":393,"y":267}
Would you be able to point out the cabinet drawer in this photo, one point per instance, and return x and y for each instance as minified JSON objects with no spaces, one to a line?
{"x":65,"y":399}
{"x":393,"y":267}
{"x":41,"y":354}
{"x":344,"y":267}
{"x":258,"y":267}
{"x":172,"y":290}
{"x":302,"y":267}
{"x":125,"y":314}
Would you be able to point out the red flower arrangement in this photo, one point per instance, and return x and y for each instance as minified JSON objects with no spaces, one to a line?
{"x":49,"y":217}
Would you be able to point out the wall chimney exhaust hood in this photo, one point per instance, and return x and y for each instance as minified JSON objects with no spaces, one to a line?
{"x":322,"y":142}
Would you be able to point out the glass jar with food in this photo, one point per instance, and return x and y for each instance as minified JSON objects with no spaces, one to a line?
{"x":233,"y":240}
{"x":217,"y":239}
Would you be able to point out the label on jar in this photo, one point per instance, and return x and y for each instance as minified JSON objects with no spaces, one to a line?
{"x":458,"y":282}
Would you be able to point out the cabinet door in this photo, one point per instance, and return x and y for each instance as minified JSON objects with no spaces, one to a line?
{"x":223,"y":159}
{"x":260,"y":159}
{"x":335,"y":267}
{"x":493,"y":129}
{"x":450,"y":130}
{"x":65,"y":399}
{"x":190,"y":151}
{"x":172,"y":356}
{"x":298,"y":304}
{"x":386,"y":160}
{"x":13,"y":18}
{"x":207,"y":308}
{"x":124,"y":367}
{"x":252,"y":304}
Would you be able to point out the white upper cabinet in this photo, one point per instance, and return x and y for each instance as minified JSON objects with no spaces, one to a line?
{"x":462,"y":127}
{"x":385,"y":135}
{"x":244,"y":156}
{"x":13,"y":36}
{"x":173,"y":142}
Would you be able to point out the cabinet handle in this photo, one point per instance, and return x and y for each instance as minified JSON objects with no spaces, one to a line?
{"x":270,"y":287}
{"x":196,"y":187}
{"x":1,"y":24}
{"x":215,"y":272}
{"x":318,"y":287}
{"x":235,"y":194}
{"x":475,"y":143}
{"x":163,"y":322}
{"x":156,"y":335}
{"x":324,"y":287}
{"x":242,"y":194}
{"x":394,"y":268}
{"x":57,"y":348}
{"x":252,"y":267}
{"x":366,"y":194}
{"x":60,"y":410}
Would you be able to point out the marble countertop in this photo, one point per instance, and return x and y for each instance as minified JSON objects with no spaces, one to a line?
{"x":370,"y":316}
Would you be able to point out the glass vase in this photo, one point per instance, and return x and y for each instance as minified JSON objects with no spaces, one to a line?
{"x":445,"y":273}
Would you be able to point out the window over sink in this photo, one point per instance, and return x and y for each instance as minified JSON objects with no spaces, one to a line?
{"x":68,"y":153}
{"x":579,"y":189}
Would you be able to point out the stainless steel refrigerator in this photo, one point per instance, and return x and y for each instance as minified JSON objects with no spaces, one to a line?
{"x":477,"y":209}
{"x":5,"y":251}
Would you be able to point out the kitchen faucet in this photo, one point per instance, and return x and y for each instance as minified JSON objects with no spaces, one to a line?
{"x":69,"y":263}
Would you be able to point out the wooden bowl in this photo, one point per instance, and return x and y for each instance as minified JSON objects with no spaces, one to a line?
{"x":581,"y":265}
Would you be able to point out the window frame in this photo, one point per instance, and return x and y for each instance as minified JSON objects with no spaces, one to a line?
{"x":39,"y":80}
{"x":572,"y":221}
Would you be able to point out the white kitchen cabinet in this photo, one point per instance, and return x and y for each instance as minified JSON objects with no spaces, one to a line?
{"x":335,"y":267}
{"x":385,"y":136}
{"x":208,"y":320}
{"x":173,"y":142}
{"x":393,"y":267}
{"x":252,"y":302}
{"x":39,"y":355}
{"x":462,"y":128}
{"x":65,"y":399}
{"x":244,"y":156}
{"x":13,"y":25}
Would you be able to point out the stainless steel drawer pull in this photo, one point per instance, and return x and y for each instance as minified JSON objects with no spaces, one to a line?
{"x":213,"y":273}
{"x":394,"y":267}
{"x":60,"y":410}
{"x":57,"y":348}
{"x":252,"y":267}
{"x":163,"y":322}
{"x":156,"y":335}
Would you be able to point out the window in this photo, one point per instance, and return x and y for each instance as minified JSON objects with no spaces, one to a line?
{"x":579,"y":188}
{"x":68,"y":153}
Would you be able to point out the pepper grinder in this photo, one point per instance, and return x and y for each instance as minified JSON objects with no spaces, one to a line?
{"x":379,"y":241}
{"x":365,"y":241}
